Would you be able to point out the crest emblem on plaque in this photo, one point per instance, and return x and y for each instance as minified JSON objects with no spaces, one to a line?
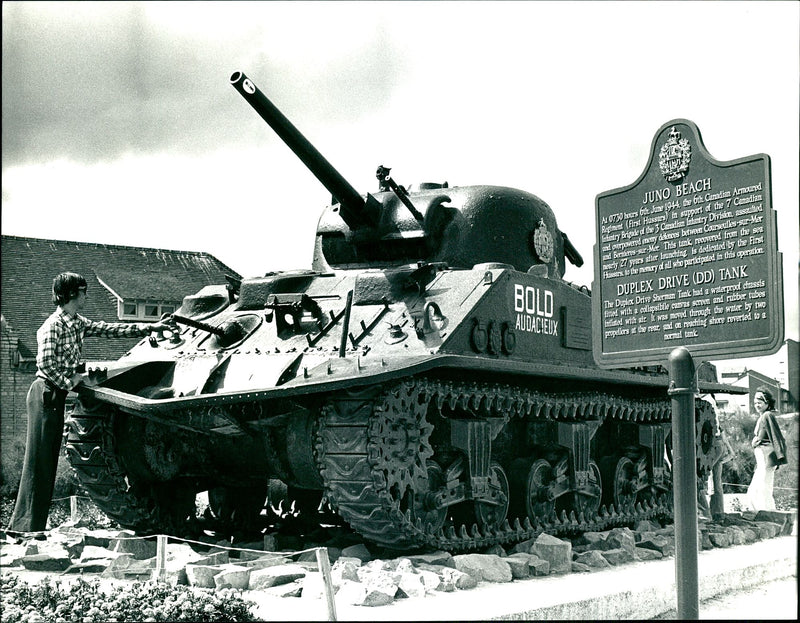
{"x":543,"y":242}
{"x":674,"y":157}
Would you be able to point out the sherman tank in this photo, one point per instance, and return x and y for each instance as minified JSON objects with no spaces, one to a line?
{"x":430,"y":380}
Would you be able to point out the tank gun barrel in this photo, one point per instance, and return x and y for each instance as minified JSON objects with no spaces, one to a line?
{"x":196,"y":324}
{"x":355,"y":211}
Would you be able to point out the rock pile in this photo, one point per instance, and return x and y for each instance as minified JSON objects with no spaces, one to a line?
{"x":357,"y":577}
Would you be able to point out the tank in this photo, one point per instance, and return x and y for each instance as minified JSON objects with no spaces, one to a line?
{"x":429,"y":381}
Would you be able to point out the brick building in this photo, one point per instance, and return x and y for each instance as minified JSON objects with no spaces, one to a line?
{"x":124,"y":284}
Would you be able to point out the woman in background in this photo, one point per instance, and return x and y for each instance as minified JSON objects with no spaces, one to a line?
{"x":769,"y":447}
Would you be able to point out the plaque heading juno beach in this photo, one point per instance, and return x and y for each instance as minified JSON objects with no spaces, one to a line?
{"x":687,"y":256}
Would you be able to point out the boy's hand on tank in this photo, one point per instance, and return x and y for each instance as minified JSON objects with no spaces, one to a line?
{"x":77,"y":379}
{"x":160,"y":326}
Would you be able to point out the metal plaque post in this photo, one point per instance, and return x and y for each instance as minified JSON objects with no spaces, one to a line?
{"x":682,"y":389}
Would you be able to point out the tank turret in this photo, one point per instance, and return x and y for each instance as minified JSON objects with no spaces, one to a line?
{"x":458,"y":226}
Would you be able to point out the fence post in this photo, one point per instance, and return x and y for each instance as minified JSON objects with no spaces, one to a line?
{"x":73,"y":509}
{"x":682,"y":389}
{"x":161,"y":557}
{"x":324,"y":564}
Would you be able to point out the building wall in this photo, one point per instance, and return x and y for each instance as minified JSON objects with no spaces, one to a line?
{"x":14,"y":383}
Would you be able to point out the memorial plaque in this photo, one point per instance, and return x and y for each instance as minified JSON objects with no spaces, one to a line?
{"x":687,"y":256}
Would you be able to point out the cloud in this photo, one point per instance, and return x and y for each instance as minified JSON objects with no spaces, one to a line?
{"x":90,"y":82}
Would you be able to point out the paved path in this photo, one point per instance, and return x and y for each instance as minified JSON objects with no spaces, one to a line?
{"x":772,"y":600}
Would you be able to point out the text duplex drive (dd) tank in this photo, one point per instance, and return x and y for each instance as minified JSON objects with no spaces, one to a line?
{"x":431,"y":378}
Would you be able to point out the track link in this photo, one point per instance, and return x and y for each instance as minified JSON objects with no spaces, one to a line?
{"x":90,"y":449}
{"x":367,"y":489}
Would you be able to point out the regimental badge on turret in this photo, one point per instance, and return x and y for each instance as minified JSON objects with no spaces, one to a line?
{"x":674,"y":157}
{"x":543,"y":242}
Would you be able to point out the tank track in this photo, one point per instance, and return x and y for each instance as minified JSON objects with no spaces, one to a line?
{"x":365,"y":476}
{"x":89,"y":446}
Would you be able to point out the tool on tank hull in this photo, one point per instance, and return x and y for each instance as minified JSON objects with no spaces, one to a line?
{"x":430,"y":380}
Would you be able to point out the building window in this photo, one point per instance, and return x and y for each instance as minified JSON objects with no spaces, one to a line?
{"x":145,"y":309}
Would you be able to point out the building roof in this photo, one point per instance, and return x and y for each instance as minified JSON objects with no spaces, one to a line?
{"x":111,"y":271}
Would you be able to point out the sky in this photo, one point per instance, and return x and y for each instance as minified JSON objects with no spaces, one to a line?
{"x":120,"y":125}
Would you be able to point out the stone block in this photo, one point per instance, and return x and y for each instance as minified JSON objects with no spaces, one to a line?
{"x":100,"y":537}
{"x":270,"y":560}
{"x":772,"y":528}
{"x":431,"y":580}
{"x":643,"y":553}
{"x":411,"y":584}
{"x":524,"y":547}
{"x":434,"y":558}
{"x":621,"y":538}
{"x":404,"y":565}
{"x":201,"y":576}
{"x":173,"y":577}
{"x":497,"y":550}
{"x":352,"y":593}
{"x":777,"y":517}
{"x":593,"y":559}
{"x":181,"y":554}
{"x":445,"y":585}
{"x":578,"y":567}
{"x":345,"y":568}
{"x":11,"y":555}
{"x":736,"y":535}
{"x":126,"y":567}
{"x":292,"y":589}
{"x":720,"y":539}
{"x":270,"y":543}
{"x":486,"y":567}
{"x":555,"y":551}
{"x":539,"y":567}
{"x":460,"y":580}
{"x":592,"y":540}
{"x":275,"y":576}
{"x":52,"y":561}
{"x":232,"y":576}
{"x":645,"y":525}
{"x":92,"y":552}
{"x":760,"y":531}
{"x":618,"y":556}
{"x":72,"y":542}
{"x":126,"y":543}
{"x":359,"y":551}
{"x":213,"y":558}
{"x":307,"y":557}
{"x":381,"y":589}
{"x":663,"y":544}
{"x":519,"y":567}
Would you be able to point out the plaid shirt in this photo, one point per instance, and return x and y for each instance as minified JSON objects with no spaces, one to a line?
{"x":60,"y":341}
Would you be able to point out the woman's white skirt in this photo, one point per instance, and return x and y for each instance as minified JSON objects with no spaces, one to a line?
{"x":759,"y":493}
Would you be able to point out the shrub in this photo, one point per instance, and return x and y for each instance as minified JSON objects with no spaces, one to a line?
{"x":13,"y":456}
{"x":11,"y":465}
{"x":87,"y":602}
